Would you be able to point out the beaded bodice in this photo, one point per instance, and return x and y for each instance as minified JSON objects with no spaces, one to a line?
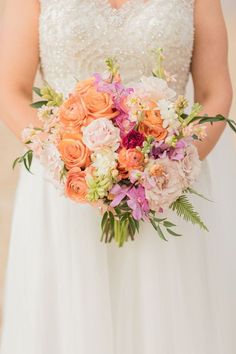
{"x":77,"y":35}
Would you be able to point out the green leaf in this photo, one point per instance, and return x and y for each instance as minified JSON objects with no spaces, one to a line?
{"x":38,"y":104}
{"x":185,"y":209}
{"x":26,"y":159}
{"x":218,"y":118}
{"x":112,"y":219}
{"x":161,"y":234}
{"x":171,"y":232}
{"x":17,"y":161}
{"x":211,"y":120}
{"x":136,"y":222}
{"x":123,"y":232}
{"x":132,"y":226}
{"x":158,"y":229}
{"x":106,"y":231}
{"x":37,"y":90}
{"x":192,"y":191}
{"x":26,"y":165}
{"x":116,"y":231}
{"x":159,"y":220}
{"x":117,"y":210}
{"x":232,"y":124}
{"x":168,"y":224}
{"x":30,"y":158}
{"x":104,"y":220}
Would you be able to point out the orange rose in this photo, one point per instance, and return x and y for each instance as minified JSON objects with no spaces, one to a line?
{"x":131,"y":159}
{"x":83,"y":86}
{"x":73,"y":151}
{"x":98,"y":104}
{"x":152,"y":125}
{"x":73,"y":113}
{"x":76,"y":187}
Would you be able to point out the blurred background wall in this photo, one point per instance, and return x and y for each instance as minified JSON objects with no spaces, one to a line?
{"x":10,"y":148}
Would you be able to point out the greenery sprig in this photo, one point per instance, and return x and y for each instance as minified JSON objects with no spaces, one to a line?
{"x":185,"y":209}
{"x":26,"y":159}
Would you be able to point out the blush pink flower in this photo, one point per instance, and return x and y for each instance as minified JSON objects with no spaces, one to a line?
{"x":191,"y":166}
{"x":162,"y":180}
{"x":100,"y":134}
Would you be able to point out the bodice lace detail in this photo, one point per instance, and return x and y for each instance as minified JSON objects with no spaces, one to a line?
{"x":77,"y":35}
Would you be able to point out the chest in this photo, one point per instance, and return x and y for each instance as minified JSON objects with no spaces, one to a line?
{"x":77,"y":35}
{"x":136,"y":24}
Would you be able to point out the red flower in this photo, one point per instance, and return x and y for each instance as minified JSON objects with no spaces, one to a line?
{"x":133,"y":139}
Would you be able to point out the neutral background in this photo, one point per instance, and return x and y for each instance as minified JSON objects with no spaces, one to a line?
{"x":10,"y":148}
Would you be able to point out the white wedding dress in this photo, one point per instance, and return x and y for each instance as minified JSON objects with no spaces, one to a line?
{"x":66,"y":292}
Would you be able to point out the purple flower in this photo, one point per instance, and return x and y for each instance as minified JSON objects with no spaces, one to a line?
{"x":138,"y":202}
{"x":120,"y":192}
{"x":119,"y":94}
{"x":161,"y":150}
{"x":133,"y":139}
{"x":124,"y":124}
{"x":178,"y":152}
{"x":116,"y":89}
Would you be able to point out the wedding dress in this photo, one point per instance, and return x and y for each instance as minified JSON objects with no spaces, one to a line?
{"x":66,"y":292}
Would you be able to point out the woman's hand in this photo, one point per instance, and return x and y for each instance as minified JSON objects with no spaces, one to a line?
{"x":19,"y":57}
{"x":210,"y":68}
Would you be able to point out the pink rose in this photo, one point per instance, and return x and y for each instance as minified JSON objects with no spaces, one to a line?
{"x":100,"y":134}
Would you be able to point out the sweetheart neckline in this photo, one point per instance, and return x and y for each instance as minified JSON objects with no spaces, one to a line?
{"x":125,"y":6}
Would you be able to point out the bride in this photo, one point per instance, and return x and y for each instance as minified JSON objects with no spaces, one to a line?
{"x":66,"y":293}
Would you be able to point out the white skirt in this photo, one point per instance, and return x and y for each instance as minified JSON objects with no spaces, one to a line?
{"x":67,"y":293}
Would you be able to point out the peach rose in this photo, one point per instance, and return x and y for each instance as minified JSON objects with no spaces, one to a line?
{"x":152,"y":124}
{"x":73,"y":113}
{"x":131,"y":159}
{"x":76,"y":187}
{"x":83,"y":86}
{"x":98,"y":104}
{"x":73,"y":151}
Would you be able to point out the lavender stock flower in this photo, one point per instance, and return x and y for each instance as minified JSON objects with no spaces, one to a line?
{"x":162,"y":150}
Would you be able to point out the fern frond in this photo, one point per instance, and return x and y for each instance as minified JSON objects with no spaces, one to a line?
{"x":185,"y":209}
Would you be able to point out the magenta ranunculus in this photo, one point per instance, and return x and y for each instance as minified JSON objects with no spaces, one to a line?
{"x":133,"y":139}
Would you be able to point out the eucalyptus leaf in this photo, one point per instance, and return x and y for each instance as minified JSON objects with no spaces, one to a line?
{"x":38,"y":104}
{"x":37,"y":90}
{"x":30,"y":158}
{"x":17,"y":161}
{"x":171,"y":232}
{"x":167,"y":223}
{"x":161,"y":234}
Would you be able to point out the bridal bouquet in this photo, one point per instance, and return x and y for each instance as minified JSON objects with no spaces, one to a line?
{"x":127,"y":150}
